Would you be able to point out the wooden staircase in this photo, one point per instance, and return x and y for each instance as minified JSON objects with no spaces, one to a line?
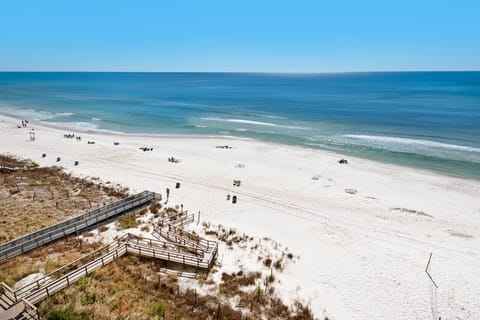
{"x":179,"y":247}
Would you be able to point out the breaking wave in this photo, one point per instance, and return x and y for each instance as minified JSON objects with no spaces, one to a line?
{"x":252,"y":122}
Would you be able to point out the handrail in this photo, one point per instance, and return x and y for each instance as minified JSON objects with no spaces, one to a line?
{"x":73,"y":276}
{"x":130,"y":247}
{"x":33,"y":234}
{"x":170,"y":235}
{"x":179,"y":219}
{"x":9,"y":292}
{"x":50,"y":275}
{"x":165,"y":245}
{"x":73,"y":225}
{"x":29,"y":308}
{"x":193,"y":237}
{"x":143,"y":246}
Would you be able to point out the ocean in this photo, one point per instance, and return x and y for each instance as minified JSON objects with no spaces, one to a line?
{"x":427,"y":120}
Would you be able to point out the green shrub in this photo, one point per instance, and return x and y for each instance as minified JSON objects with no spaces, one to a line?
{"x":83,"y":282}
{"x":158,"y":309}
{"x":68,"y":314}
{"x":127,"y":221}
{"x":90,"y":298}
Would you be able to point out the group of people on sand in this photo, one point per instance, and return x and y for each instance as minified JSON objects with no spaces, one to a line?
{"x":174,"y":160}
{"x":71,"y":136}
{"x":146,"y":149}
{"x":223,"y":147}
{"x":25,"y":123}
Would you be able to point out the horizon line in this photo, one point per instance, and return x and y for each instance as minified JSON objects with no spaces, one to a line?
{"x":244,"y":72}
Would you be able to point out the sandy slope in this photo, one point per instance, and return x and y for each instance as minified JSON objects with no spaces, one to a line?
{"x":360,"y":258}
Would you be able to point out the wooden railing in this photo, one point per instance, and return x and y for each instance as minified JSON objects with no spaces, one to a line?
{"x":74,"y":225}
{"x":167,"y":245}
{"x":64,"y":223}
{"x":65,"y":276}
{"x":194,"y":238}
{"x":8,"y":294}
{"x":30,"y":312}
{"x":70,"y":278}
{"x":180,"y":219}
{"x":58,"y":273}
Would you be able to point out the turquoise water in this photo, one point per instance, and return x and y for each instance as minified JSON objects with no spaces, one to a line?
{"x":429,"y":120}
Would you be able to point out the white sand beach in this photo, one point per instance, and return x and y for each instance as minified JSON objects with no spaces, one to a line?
{"x":363,"y":231}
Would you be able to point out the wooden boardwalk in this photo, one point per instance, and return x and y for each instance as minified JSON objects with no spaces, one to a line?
{"x":185,"y":249}
{"x":169,"y":230}
{"x":75,"y":225}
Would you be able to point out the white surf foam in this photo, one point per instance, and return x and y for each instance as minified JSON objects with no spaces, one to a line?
{"x":33,"y":114}
{"x":252,"y":122}
{"x":386,"y":141}
{"x":83,"y":126}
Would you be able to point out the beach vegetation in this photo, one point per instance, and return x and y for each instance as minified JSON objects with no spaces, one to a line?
{"x":68,"y":314}
{"x":102,"y":229}
{"x":278,"y":265}
{"x":33,"y":183}
{"x":155,"y":207}
{"x":127,"y":221}
{"x":157,"y":309}
{"x":83,"y":282}
{"x":267,"y":262}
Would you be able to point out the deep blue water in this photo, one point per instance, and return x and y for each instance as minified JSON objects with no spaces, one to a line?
{"x":429,"y":120}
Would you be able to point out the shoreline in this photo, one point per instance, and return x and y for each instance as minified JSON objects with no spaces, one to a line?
{"x":110,"y":133}
{"x":362,"y":231}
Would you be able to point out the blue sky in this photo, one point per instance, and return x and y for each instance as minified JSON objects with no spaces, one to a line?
{"x":248,"y":36}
